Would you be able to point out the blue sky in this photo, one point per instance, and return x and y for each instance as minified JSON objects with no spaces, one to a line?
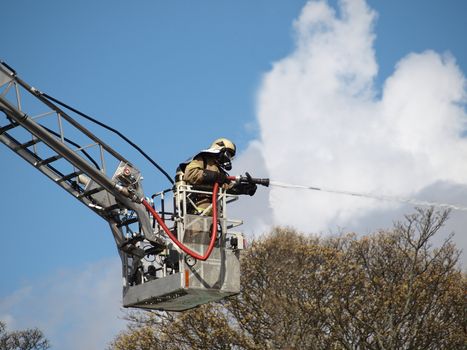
{"x":172,"y":76}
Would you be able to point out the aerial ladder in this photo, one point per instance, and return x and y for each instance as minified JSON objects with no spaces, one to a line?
{"x":171,"y":260}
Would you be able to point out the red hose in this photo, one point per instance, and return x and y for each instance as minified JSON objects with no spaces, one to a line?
{"x":180,"y":244}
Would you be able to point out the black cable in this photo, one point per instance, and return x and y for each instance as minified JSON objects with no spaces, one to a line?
{"x":114,"y":131}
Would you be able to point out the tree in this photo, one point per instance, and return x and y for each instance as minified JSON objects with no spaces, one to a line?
{"x":389,"y":290}
{"x":29,"y":339}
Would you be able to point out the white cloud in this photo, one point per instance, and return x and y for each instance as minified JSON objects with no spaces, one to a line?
{"x":323,"y":122}
{"x":76,"y":309}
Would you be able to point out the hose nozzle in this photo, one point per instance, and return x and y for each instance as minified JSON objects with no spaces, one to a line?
{"x":247,"y":179}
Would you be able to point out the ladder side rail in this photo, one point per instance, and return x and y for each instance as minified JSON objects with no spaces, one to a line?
{"x":61,"y":148}
{"x":47,"y":170}
{"x":81,"y":128}
{"x":77,"y":161}
{"x":36,"y":93}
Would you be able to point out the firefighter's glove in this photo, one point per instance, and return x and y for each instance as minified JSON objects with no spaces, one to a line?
{"x":245,"y":188}
{"x":210,"y":177}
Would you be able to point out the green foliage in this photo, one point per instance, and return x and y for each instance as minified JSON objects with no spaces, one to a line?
{"x":388,"y":290}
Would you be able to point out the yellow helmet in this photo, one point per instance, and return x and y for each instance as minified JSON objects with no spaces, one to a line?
{"x":227,"y":152}
{"x":224,"y":144}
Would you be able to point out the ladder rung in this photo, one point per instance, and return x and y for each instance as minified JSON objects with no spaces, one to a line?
{"x":112,"y":207}
{"x":69,"y":176}
{"x":8,"y":127}
{"x":90,"y":192}
{"x":48,"y":160}
{"x":27,"y":144}
{"x":127,"y":222}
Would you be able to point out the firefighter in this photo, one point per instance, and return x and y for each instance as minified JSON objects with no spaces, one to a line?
{"x":210,"y":166}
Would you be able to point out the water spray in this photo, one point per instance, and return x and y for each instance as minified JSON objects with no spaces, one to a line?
{"x":266,"y":182}
{"x":369,"y":195}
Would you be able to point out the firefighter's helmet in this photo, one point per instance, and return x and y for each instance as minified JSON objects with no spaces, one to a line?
{"x":227,"y":152}
{"x":224,"y":144}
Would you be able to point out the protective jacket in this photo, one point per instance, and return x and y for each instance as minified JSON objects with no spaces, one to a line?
{"x":192,"y":172}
